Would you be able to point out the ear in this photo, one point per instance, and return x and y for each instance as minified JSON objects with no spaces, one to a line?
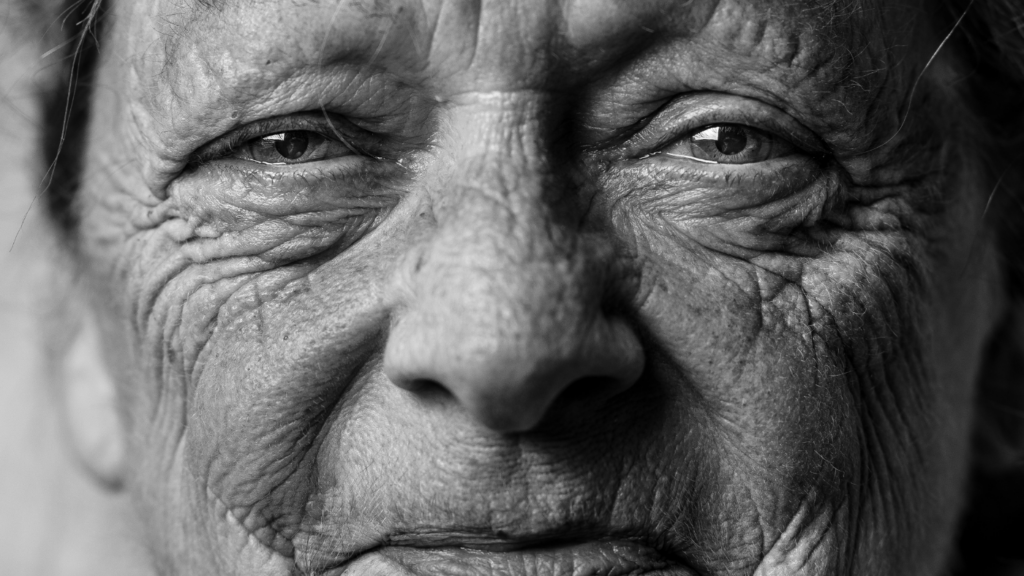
{"x":88,"y":399}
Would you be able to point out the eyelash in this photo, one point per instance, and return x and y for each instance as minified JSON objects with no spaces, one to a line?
{"x":660,"y":133}
{"x":675,"y":123}
{"x":318,"y":123}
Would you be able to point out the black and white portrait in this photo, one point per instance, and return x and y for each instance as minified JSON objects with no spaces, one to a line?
{"x":512,"y":287}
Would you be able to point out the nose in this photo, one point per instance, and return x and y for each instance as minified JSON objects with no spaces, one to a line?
{"x":505,"y":306}
{"x":508,"y":343}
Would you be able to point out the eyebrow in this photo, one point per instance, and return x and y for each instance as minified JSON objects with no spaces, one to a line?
{"x":199,"y":9}
{"x":205,"y":5}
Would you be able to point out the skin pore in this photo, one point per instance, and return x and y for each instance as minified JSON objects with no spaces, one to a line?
{"x":526,"y":287}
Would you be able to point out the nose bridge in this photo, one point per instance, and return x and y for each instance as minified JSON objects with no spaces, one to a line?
{"x":501,"y":305}
{"x":504,"y":220}
{"x":501,"y":172}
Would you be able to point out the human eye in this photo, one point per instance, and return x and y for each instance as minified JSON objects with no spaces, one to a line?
{"x":724,"y":134}
{"x":298,"y":139}
{"x":735,"y":172}
{"x":729,"y":144}
{"x":287,"y":188}
{"x":292,"y":147}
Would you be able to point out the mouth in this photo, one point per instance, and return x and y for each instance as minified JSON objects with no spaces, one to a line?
{"x":448,"y":556}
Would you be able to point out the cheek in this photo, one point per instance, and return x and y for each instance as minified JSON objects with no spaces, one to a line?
{"x":847,"y":378}
{"x":284,"y":359}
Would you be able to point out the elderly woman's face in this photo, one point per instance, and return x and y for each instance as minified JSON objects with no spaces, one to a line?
{"x":537,"y":288}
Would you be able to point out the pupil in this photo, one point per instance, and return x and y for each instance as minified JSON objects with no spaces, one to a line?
{"x":293,"y":145}
{"x":731,"y":140}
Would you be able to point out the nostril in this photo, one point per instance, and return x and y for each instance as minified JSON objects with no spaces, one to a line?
{"x":425,"y":387}
{"x":510,"y":376}
{"x":428,"y":392}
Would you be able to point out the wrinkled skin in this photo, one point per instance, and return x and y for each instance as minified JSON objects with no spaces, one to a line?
{"x":512,"y":335}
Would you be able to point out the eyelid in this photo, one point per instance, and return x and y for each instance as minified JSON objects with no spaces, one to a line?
{"x":686,"y":115}
{"x":325,"y":124}
{"x":684,"y":156}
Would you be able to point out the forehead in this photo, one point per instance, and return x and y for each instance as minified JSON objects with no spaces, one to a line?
{"x":505,"y":42}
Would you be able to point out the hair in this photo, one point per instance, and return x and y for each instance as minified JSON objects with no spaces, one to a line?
{"x":989,"y":45}
{"x":74,"y":27}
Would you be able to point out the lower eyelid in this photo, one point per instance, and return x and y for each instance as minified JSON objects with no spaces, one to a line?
{"x":790,"y":172}
{"x":316,"y":155}
{"x":297,"y":184}
{"x":285,"y":215}
{"x":756,"y":207}
{"x":685,"y":157}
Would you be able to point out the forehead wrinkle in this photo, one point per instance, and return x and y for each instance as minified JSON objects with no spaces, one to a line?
{"x":588,"y":22}
{"x":201,"y":10}
{"x":611,"y":35}
{"x":184,"y":33}
{"x":832,"y":24}
{"x":832,"y":16}
{"x":829,"y":28}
